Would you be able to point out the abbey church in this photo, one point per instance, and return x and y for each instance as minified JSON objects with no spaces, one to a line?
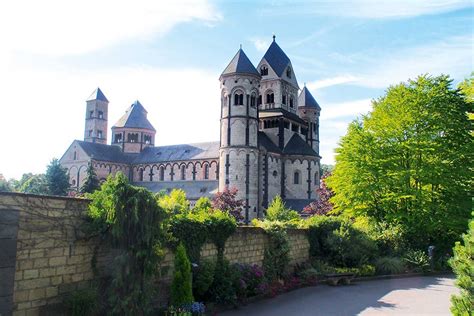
{"x":269,"y":141}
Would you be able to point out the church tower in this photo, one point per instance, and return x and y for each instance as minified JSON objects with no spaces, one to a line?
{"x":97,"y":106}
{"x":308,"y":110}
{"x":238,"y":152}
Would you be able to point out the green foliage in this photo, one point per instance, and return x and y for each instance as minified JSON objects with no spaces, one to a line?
{"x":174,"y":203}
{"x":34,"y":184}
{"x":225,"y":284}
{"x":277,"y":211}
{"x":82,"y":302}
{"x":203,"y":204}
{"x":57,"y":179}
{"x":277,"y":253}
{"x":131,"y":220}
{"x":92,"y":182}
{"x":4,"y":184}
{"x":203,"y":278}
{"x":389,"y":265}
{"x":366,"y":270}
{"x":191,"y":230}
{"x":409,"y":163}
{"x":417,"y":260}
{"x":181,"y":287}
{"x":220,"y":226}
{"x":326,"y":170}
{"x":463,"y":265}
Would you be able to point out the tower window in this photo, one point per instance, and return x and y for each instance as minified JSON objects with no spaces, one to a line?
{"x":132,"y":137}
{"x":291,"y":102}
{"x":206,"y":172}
{"x":286,"y":124}
{"x":99,"y":134}
{"x":183,"y":172}
{"x":238,"y":99}
{"x":263,"y":71}
{"x":296,"y":177}
{"x":259,"y":99}
{"x":90,"y":133}
{"x":91,"y":114}
{"x":162,"y":174}
{"x":283,"y":99}
{"x":288,"y":72}
{"x":295,"y":128}
{"x":101,"y":114}
{"x":118,"y":137}
{"x":147,"y":139}
{"x":253,"y":100}
{"x":140,"y":175}
{"x":316,"y":176}
{"x":270,"y":98}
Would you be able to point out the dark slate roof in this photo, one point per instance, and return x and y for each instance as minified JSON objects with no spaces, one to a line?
{"x":307,"y":99}
{"x":97,"y":95}
{"x":135,"y":117}
{"x":240,"y":64}
{"x":276,"y":58}
{"x":194,"y":189}
{"x":179,"y":152}
{"x":104,"y":152}
{"x":284,"y":113}
{"x":297,"y":146}
{"x":297,"y":204}
{"x":265,"y":142}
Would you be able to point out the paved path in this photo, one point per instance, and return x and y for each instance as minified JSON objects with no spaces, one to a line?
{"x":409,"y":296}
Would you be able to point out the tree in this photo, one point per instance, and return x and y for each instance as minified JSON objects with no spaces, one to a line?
{"x":322,"y":205}
{"x":181,"y":287}
{"x":174,"y":203}
{"x":410,"y":163}
{"x":4,"y":184}
{"x":92,"y":182}
{"x":326,"y":170}
{"x":57,"y":179}
{"x":35,"y":184}
{"x":226,"y":201}
{"x":463,"y":265}
{"x":467,"y":88}
{"x":203,"y":204}
{"x":277,"y":211}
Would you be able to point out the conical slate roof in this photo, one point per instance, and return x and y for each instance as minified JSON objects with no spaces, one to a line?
{"x":307,"y":99}
{"x":240,"y":64}
{"x":97,"y":95}
{"x":276,"y":58}
{"x":135,"y":117}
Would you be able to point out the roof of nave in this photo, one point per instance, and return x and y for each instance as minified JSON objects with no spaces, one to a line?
{"x":193,"y":189}
{"x":97,"y":95}
{"x":182,"y":152}
{"x":297,"y":146}
{"x":306,"y":99}
{"x":104,"y":152}
{"x":240,"y":64}
{"x":265,"y":142}
{"x":135,"y":117}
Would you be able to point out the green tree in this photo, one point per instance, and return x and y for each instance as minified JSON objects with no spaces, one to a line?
{"x":92,"y":182}
{"x":181,"y":287}
{"x":174,"y":203}
{"x":35,"y":184}
{"x":326,"y":170}
{"x":57,"y":178}
{"x":410,"y":163}
{"x":277,"y":211}
{"x":203,"y":204}
{"x":467,"y":88}
{"x":4,"y":184}
{"x":463,"y":265}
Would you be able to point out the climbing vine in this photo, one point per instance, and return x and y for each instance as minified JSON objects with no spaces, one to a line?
{"x":277,"y":253}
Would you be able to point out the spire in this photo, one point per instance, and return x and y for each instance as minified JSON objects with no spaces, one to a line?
{"x":240,"y":64}
{"x":135,"y":117}
{"x":306,"y":99}
{"x":276,"y":58}
{"x":97,"y":95}
{"x":274,"y":37}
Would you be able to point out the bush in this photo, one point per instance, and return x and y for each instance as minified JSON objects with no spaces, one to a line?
{"x":225,"y":284}
{"x":277,"y":254}
{"x":277,"y":211}
{"x":417,"y":260}
{"x":389,"y":265}
{"x":203,"y":278}
{"x":181,"y":287}
{"x":220,"y":227}
{"x":252,"y":279}
{"x":82,"y":302}
{"x":366,"y":270}
{"x":308,"y":276}
{"x":463,"y":265}
{"x":191,"y":230}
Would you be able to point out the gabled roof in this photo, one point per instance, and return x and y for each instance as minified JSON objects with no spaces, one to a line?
{"x":97,"y":95}
{"x":179,"y":152}
{"x":240,"y":64}
{"x":306,"y":99}
{"x":265,"y":142}
{"x":135,"y":117}
{"x":276,"y":58}
{"x":104,"y":152}
{"x":297,"y":146}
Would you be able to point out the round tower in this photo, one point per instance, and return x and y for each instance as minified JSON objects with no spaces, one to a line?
{"x":238,"y":152}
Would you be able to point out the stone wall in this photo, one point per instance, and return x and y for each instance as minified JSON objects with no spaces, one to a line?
{"x":45,"y":253}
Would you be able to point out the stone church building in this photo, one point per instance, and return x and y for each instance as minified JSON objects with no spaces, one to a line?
{"x":269,"y":141}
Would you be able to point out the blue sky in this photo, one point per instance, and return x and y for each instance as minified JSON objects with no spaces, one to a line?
{"x":169,"y":55}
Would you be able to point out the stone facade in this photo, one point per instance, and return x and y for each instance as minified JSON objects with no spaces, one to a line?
{"x":45,"y":254}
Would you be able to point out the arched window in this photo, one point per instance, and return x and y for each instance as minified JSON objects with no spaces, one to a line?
{"x":118,"y":137}
{"x":162,"y":174}
{"x":263,"y":71}
{"x":259,"y":99}
{"x":291,"y":102}
{"x":132,"y":137}
{"x":147,"y":139}
{"x":288,"y":72}
{"x":239,"y":99}
{"x":283,"y":99}
{"x":296,"y":177}
{"x":206,"y":171}
{"x":270,"y":97}
{"x":73,"y":183}
{"x":75,"y":156}
{"x":253,"y":100}
{"x":140,"y":175}
{"x":183,"y":172}
{"x":316,"y":179}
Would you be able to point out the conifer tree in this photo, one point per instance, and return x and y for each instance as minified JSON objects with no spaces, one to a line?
{"x":92,"y":182}
{"x":181,"y":287}
{"x":57,"y":179}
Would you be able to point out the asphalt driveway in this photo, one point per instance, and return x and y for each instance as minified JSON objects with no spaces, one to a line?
{"x":427,"y":295}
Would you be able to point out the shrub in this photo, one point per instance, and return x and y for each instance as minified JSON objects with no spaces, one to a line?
{"x":277,"y":211}
{"x":308,"y":276}
{"x":220,"y":227}
{"x":181,"y":287}
{"x":82,"y":302}
{"x":252,"y":278}
{"x":203,"y":278}
{"x":417,"y":260}
{"x":225,"y":284}
{"x":319,"y":229}
{"x":463,"y":265}
{"x":190,"y":230}
{"x":366,"y":270}
{"x":276,"y":256}
{"x":389,"y":265}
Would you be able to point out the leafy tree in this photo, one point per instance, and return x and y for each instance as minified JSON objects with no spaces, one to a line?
{"x":174,"y":203}
{"x":57,"y":179}
{"x":35,"y":184}
{"x":463,"y":265}
{"x":226,"y":201}
{"x":322,"y":205}
{"x":92,"y":182}
{"x":203,"y":204}
{"x":410,"y":163}
{"x":467,"y":88}
{"x":181,"y":287}
{"x":326,"y":170}
{"x":277,"y":211}
{"x":4,"y":184}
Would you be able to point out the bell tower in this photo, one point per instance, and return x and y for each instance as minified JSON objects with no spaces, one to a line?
{"x":308,"y":110}
{"x":97,"y":106}
{"x":238,"y":152}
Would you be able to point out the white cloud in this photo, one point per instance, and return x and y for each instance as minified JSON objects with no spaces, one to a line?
{"x":260,"y":44}
{"x":329,"y":82}
{"x":354,"y":108}
{"x":57,"y":27}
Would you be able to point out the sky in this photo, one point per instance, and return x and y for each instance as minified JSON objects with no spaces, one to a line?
{"x":169,"y":55}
